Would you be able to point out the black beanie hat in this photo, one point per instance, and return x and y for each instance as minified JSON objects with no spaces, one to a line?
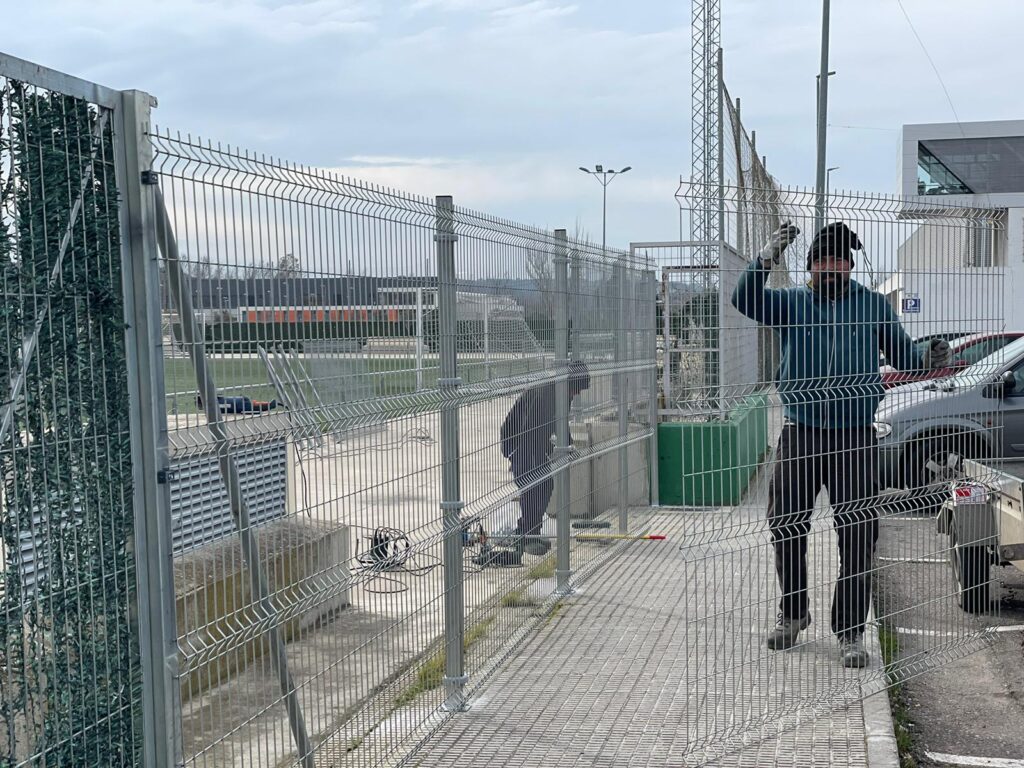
{"x":836,"y":240}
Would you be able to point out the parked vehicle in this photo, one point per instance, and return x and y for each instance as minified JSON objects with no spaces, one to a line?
{"x":926,"y":429}
{"x":966,"y":351}
{"x":984,"y":519}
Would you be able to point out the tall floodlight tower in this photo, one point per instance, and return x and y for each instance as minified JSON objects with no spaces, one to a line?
{"x":706,"y":204}
{"x":707,"y":120}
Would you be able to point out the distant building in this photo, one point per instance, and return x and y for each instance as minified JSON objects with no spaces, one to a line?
{"x":951,"y":276}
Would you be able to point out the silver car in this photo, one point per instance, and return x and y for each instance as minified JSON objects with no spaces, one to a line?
{"x":926,"y":429}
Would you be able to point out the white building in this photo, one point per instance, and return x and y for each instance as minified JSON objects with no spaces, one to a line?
{"x":954,"y":274}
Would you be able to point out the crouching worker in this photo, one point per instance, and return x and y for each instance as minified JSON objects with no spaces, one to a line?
{"x":526,"y":441}
{"x":831,"y":331}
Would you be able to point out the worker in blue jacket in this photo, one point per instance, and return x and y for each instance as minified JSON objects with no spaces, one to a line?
{"x":831,"y":331}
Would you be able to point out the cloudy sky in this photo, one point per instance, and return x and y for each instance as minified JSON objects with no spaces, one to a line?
{"x":498,"y":101}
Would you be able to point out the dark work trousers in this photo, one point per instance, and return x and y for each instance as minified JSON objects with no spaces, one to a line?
{"x":533,"y":501}
{"x":845,"y":461}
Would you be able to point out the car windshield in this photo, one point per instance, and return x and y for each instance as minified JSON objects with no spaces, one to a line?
{"x":985,"y":369}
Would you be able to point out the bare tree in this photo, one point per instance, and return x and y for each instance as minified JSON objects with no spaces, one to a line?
{"x":257,"y":271}
{"x":540,"y":268}
{"x":541,"y":273}
{"x":288,"y":266}
{"x":203,"y":268}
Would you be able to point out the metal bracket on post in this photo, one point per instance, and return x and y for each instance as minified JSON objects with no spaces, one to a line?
{"x":451,"y":494}
{"x":563,"y":572}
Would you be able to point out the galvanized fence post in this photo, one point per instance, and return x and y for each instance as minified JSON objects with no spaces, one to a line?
{"x":451,"y":493}
{"x":651,"y":321}
{"x":259,"y":583}
{"x":622,"y":382}
{"x":563,"y":444}
{"x":148,"y":420}
{"x":576,"y":406}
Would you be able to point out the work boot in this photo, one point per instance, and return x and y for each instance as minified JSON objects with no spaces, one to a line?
{"x":537,"y":547}
{"x":852,"y":652}
{"x":784,"y":634}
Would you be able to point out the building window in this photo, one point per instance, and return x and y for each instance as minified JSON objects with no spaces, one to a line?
{"x":970,"y":166}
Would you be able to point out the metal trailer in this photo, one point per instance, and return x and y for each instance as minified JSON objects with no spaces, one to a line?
{"x":984,"y":528}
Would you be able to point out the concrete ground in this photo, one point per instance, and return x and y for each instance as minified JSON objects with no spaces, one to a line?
{"x":659,"y":660}
{"x":971,"y":711}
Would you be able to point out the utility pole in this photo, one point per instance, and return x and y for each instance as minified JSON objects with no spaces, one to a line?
{"x":819,"y":182}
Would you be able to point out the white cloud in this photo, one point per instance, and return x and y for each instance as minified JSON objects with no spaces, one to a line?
{"x":498,"y":101}
{"x":397,"y":160}
{"x":534,"y":10}
{"x":476,"y":184}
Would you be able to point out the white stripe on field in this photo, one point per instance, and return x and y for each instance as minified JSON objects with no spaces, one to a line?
{"x":974,"y":762}
{"x":1008,"y":628}
{"x":913,"y":559}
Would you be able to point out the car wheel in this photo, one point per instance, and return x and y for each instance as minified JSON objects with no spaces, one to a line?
{"x":971,"y":570}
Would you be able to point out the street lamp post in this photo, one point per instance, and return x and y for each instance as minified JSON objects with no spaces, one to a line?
{"x":604,"y":178}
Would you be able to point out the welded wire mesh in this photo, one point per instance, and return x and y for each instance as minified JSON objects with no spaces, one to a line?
{"x":745,"y":204}
{"x":70,"y":687}
{"x":609,"y":303}
{"x":820,"y":504}
{"x":317,"y":307}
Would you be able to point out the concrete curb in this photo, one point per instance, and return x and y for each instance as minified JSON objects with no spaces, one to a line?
{"x":879,"y":733}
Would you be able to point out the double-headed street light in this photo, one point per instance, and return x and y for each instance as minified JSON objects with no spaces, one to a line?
{"x":604,"y":178}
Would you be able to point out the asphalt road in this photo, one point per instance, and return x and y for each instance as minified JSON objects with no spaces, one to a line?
{"x":971,"y":707}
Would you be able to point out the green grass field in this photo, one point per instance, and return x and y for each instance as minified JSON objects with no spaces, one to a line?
{"x":367,"y":378}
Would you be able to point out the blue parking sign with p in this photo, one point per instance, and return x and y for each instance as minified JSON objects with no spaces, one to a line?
{"x":911,"y":304}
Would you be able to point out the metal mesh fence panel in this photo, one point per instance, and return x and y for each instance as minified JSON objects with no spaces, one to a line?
{"x":70,"y":681}
{"x":837,"y":498}
{"x":415,"y":360}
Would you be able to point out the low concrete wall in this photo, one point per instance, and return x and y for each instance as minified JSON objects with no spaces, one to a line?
{"x":593,"y":484}
{"x":222,"y":631}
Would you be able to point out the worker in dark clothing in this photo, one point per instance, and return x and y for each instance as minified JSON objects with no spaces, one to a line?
{"x":526,"y":441}
{"x":831,"y":331}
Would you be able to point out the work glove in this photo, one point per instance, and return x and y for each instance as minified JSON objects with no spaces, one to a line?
{"x":778,"y":242}
{"x":937,"y":354}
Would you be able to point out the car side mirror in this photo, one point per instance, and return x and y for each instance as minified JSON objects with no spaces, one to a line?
{"x":1001,"y":387}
